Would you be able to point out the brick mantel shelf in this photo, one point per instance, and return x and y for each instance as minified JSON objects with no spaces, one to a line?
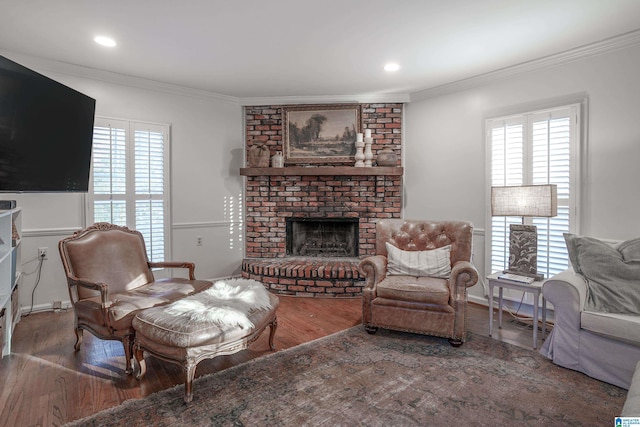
{"x":323,"y":171}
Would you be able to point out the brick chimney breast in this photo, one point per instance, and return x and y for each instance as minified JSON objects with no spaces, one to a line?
{"x":270,"y":200}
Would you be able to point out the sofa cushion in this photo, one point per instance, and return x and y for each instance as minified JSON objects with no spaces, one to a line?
{"x":612,"y":273}
{"x":630,"y":250}
{"x":431,"y":263}
{"x":623,"y":327}
{"x":429,"y":290}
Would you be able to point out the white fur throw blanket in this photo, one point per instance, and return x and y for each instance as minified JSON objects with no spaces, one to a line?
{"x":226,"y":303}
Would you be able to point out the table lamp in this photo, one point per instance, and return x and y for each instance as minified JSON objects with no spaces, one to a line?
{"x":529,"y":201}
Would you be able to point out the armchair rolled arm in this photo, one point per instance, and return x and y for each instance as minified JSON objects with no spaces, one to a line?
{"x":176,"y":264}
{"x":463,"y":275}
{"x":374,"y":270}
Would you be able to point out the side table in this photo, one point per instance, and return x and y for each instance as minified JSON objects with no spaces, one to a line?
{"x":535,"y":288}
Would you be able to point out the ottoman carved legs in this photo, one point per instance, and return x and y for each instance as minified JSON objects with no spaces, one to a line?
{"x":190,"y":363}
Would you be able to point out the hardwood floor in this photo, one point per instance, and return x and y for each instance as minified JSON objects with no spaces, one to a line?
{"x":46,"y":383}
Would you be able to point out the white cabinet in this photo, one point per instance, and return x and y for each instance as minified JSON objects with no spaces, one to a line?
{"x":10,"y":232}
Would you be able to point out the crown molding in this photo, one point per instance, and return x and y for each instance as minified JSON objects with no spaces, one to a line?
{"x":611,"y":44}
{"x":43,"y":65}
{"x":46,"y":65}
{"x":326,"y":99}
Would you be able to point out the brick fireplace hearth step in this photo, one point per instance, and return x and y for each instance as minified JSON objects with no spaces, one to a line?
{"x":306,"y":276}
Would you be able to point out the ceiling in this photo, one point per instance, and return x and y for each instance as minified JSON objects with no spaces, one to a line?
{"x":301,"y":48}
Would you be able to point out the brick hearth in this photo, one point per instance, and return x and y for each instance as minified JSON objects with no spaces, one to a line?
{"x":270,"y":199}
{"x":306,"y":276}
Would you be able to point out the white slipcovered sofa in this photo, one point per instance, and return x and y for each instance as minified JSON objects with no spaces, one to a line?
{"x":605,"y":346}
{"x":631,"y":406}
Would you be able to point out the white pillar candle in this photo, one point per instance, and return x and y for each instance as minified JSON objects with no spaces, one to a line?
{"x":367,"y":133}
{"x":359,"y":137}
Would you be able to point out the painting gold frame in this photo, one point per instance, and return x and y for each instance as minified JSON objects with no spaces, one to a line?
{"x":321,"y":134}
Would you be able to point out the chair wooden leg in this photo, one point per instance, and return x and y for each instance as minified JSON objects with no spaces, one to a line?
{"x":455,"y":343}
{"x":272,"y":333}
{"x":370,"y":329}
{"x":190,"y":372}
{"x":78,"y":332}
{"x":127,"y":343}
{"x":142,"y":364}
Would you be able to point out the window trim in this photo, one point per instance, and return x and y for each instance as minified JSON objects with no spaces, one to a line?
{"x":577,"y":157}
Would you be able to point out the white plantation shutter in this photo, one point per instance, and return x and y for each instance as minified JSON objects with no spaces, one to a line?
{"x":551,"y":164}
{"x":535,"y":148}
{"x":150,"y":189}
{"x":130,"y":180}
{"x":507,"y":156}
{"x":109,"y":174}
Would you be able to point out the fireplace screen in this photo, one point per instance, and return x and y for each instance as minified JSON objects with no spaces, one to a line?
{"x":322,"y":237}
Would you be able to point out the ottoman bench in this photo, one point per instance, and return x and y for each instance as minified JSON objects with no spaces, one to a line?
{"x":224,"y":319}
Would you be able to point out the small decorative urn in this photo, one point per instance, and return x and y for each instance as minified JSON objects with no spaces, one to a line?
{"x":387,"y":157}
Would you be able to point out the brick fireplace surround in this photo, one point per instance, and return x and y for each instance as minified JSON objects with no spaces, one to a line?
{"x":271,"y":199}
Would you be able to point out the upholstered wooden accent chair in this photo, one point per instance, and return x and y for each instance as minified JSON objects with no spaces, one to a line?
{"x":110,"y":280}
{"x":417,"y":281}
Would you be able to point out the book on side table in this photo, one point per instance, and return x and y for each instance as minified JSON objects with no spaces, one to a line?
{"x":515,"y":278}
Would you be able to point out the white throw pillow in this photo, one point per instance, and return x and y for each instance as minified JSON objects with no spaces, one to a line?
{"x":432,"y":263}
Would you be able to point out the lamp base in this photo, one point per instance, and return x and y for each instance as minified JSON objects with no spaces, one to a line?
{"x":523,"y":251}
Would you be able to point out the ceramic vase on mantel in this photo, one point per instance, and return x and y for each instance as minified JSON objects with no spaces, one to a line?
{"x":277,"y":161}
{"x":387,"y":157}
{"x":359,"y":151}
{"x":258,"y":156}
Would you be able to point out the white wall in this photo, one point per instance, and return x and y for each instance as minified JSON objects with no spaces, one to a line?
{"x":206,"y":154}
{"x":445,"y":147}
{"x":444,"y":160}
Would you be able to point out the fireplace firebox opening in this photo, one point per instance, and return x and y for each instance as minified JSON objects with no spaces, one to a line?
{"x":322,"y":237}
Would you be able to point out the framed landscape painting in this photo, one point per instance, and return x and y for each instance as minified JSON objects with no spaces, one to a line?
{"x":320,"y":133}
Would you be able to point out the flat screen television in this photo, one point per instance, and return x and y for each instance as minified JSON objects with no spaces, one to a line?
{"x":46,"y":132}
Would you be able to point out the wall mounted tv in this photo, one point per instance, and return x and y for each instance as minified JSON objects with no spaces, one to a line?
{"x":46,"y":132}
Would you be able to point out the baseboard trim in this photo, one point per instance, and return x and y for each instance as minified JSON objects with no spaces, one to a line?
{"x":512,"y":304}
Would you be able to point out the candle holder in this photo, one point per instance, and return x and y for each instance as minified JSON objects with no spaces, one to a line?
{"x":368,"y":154}
{"x":359,"y":151}
{"x":359,"y":154}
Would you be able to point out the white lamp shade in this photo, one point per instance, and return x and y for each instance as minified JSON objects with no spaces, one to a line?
{"x":525,"y":200}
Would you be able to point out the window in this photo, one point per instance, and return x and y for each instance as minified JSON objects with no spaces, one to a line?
{"x":529,"y":149}
{"x":130,"y":180}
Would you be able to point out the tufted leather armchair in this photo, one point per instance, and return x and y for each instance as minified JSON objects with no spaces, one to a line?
{"x":110,"y":280}
{"x":423,"y":305}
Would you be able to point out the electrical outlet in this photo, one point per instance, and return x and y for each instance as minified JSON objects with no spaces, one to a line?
{"x":42,"y":253}
{"x":199,"y":241}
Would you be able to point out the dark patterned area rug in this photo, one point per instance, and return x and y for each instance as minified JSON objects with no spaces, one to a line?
{"x":387,"y":379}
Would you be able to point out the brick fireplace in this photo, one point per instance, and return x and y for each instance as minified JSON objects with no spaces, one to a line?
{"x":336,"y":193}
{"x":322,"y":237}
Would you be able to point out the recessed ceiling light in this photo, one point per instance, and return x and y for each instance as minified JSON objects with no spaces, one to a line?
{"x":105,"y":41}
{"x":392,"y":66}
